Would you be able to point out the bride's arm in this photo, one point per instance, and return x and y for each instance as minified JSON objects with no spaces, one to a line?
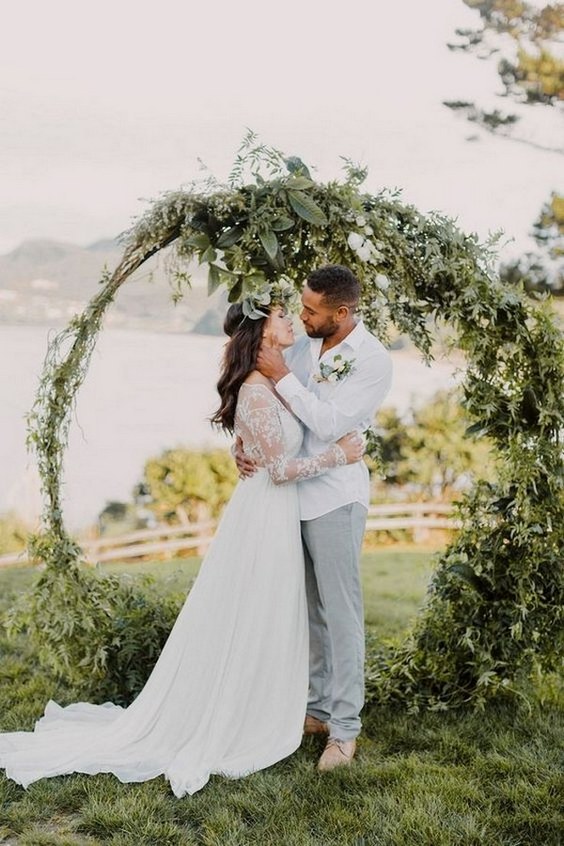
{"x":262,"y":418}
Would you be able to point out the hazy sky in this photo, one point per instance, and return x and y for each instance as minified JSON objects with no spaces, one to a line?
{"x":103,"y":104}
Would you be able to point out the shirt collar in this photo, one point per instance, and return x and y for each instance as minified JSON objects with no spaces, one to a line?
{"x":353,"y":340}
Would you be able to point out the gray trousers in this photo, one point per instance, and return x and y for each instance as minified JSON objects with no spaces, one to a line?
{"x":332,"y":546}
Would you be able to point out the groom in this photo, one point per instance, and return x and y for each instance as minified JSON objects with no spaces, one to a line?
{"x":334,"y":379}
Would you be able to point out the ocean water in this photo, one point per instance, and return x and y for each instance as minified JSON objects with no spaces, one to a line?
{"x":144,"y":392}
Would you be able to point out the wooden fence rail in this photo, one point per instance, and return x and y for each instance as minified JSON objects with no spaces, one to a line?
{"x":137,"y":544}
{"x":417,"y":517}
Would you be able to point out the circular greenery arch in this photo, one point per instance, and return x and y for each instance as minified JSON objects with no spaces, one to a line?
{"x":494,"y":606}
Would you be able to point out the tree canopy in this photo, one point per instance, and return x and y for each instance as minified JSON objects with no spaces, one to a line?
{"x":526,"y":40}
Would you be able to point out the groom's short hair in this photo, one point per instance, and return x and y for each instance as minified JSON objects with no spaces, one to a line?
{"x":338,"y":285}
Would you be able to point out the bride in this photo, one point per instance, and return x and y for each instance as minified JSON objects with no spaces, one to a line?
{"x":228,"y":693}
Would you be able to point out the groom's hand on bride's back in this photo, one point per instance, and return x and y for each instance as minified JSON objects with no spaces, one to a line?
{"x":246,"y":467}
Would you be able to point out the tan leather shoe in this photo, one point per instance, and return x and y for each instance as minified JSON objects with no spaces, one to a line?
{"x":337,"y":753}
{"x":314,"y":726}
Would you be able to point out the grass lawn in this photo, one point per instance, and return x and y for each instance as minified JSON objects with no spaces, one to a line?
{"x":484,"y":779}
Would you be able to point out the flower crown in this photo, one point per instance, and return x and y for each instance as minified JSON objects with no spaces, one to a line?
{"x":258,"y":304}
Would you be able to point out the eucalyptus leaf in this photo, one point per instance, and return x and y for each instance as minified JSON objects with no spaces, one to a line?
{"x":200,"y":222}
{"x":306,"y":208}
{"x":270,"y":243}
{"x":296,"y":165}
{"x":235,"y":292}
{"x":280,"y":224}
{"x":214,"y":279}
{"x":199,"y":240}
{"x":208,"y":255}
{"x":229,"y":237}
{"x":475,"y":429}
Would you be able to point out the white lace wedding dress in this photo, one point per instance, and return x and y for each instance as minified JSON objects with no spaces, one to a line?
{"x":228,"y":693}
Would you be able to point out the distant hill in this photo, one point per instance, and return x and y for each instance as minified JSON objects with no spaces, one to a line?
{"x":76,"y":270}
{"x":105,"y":244}
{"x":44,"y":281}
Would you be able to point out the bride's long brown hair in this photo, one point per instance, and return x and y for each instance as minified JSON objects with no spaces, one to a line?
{"x":239,"y":359}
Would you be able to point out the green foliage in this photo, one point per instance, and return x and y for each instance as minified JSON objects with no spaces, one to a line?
{"x":538,"y":76}
{"x":102,"y":633}
{"x":184,"y":483}
{"x":13,"y":534}
{"x":542,"y":271}
{"x":496,"y":606}
{"x":548,"y":229}
{"x":535,"y":76}
{"x":490,"y":120}
{"x":430,"y":449}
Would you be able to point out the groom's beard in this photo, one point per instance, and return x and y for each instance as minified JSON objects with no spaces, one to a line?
{"x":323,"y":331}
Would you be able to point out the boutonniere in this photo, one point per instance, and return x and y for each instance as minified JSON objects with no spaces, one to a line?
{"x":339,"y":369}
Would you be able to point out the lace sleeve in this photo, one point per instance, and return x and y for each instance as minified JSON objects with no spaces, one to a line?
{"x":261,"y":416}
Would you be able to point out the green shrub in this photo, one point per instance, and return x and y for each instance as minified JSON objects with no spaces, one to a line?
{"x":13,"y":534}
{"x":428,"y":449}
{"x":183,"y":483}
{"x":106,"y":633}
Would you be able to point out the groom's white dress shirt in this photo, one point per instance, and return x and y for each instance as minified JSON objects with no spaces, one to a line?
{"x":330,"y":409}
